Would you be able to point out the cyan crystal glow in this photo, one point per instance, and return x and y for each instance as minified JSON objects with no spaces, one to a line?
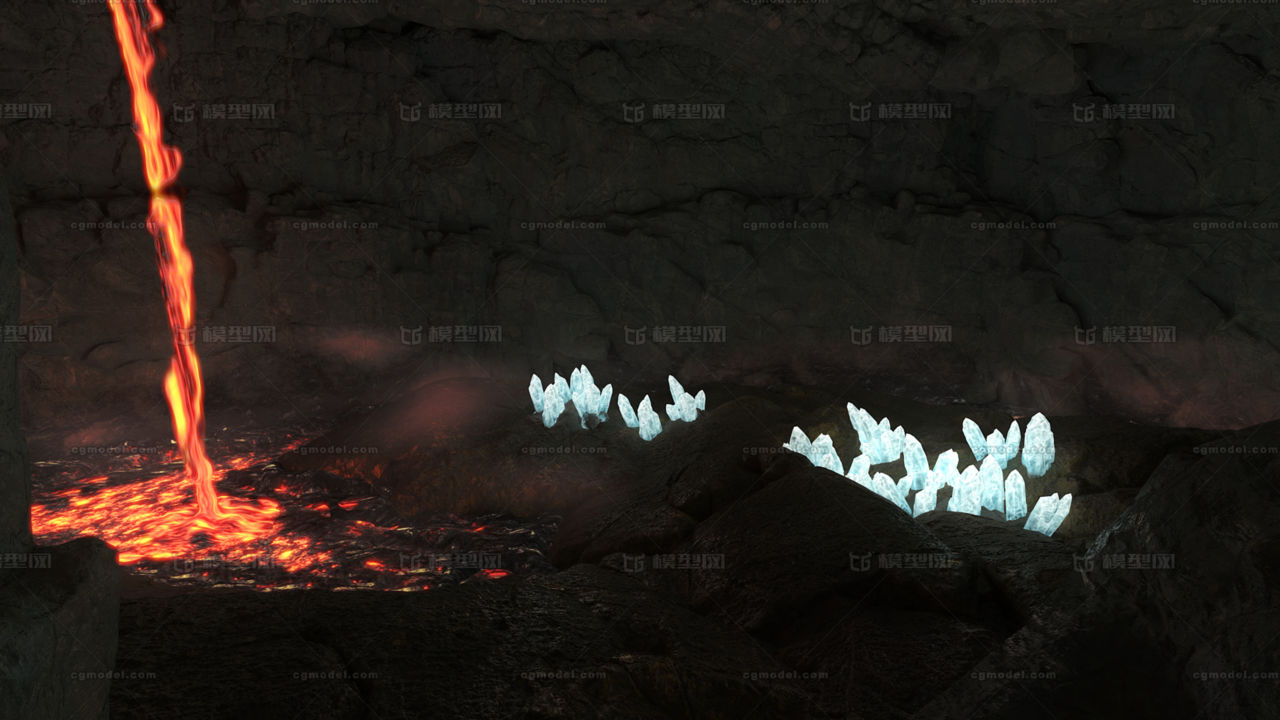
{"x":966,"y":496}
{"x":593,"y":402}
{"x":536,"y":393}
{"x":1048,"y":514}
{"x":1038,"y":448}
{"x":915,"y":461}
{"x":683,"y":405}
{"x":973,"y":436}
{"x":1011,"y":440}
{"x":877,"y":440}
{"x":860,"y":471}
{"x":581,"y":390}
{"x":825,"y":454}
{"x":926,"y":500}
{"x":628,"y":413}
{"x":945,"y":469}
{"x":884,"y":485}
{"x":1015,"y":497}
{"x":552,"y":406}
{"x":991,"y":484}
{"x":973,"y":490}
{"x":649,"y":424}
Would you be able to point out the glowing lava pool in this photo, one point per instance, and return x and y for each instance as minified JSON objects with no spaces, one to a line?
{"x":330,"y":533}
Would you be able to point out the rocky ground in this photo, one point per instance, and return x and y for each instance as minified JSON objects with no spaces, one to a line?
{"x":706,"y":574}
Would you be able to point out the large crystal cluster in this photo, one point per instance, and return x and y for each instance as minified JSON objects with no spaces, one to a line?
{"x":973,"y":490}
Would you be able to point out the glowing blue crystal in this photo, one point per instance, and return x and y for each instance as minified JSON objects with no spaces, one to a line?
{"x":650,"y":426}
{"x":925,"y":500}
{"x":995,"y":447}
{"x":905,"y":486}
{"x":973,"y":436}
{"x":562,"y":389}
{"x":991,"y":480}
{"x":587,"y":399}
{"x":676,"y":388}
{"x":915,"y":461}
{"x":1048,"y":514}
{"x":536,"y":392}
{"x":1059,"y":514}
{"x":823,"y":454}
{"x":628,"y":413}
{"x":860,"y":471}
{"x":966,"y":496}
{"x":877,"y":441}
{"x":552,"y":406}
{"x":1010,"y":449}
{"x":944,"y":470}
{"x":1041,"y":514}
{"x":683,"y":405}
{"x":884,"y":486}
{"x":1038,"y":449}
{"x":1015,"y":497}
{"x":800,"y":444}
{"x":576,"y":381}
{"x":602,"y":408}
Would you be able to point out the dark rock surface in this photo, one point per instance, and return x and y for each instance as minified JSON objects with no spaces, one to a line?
{"x":878,"y":615}
{"x":58,"y":605}
{"x":586,"y":643}
{"x":1196,"y":559}
{"x":341,"y":222}
{"x":58,"y":631}
{"x":15,"y":475}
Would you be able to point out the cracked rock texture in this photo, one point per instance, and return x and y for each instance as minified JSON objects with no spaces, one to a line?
{"x":1051,"y":241}
{"x":58,"y":605}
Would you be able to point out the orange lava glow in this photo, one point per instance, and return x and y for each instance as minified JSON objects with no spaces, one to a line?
{"x":136,"y":499}
{"x":144,"y":520}
{"x":224,"y":520}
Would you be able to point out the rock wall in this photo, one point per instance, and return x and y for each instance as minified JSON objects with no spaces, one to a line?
{"x":703,"y":172}
{"x":15,"y":483}
{"x":59,"y":606}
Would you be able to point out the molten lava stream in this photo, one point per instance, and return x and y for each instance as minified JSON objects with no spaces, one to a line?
{"x":224,"y":520}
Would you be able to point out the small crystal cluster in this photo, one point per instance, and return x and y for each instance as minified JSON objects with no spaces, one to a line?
{"x":683,"y":407}
{"x":973,"y":490}
{"x":878,"y":442}
{"x":593,"y":402}
{"x":589,"y":400}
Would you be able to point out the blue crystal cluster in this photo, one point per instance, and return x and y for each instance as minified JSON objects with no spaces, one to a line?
{"x":973,"y":490}
{"x":592,"y":402}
